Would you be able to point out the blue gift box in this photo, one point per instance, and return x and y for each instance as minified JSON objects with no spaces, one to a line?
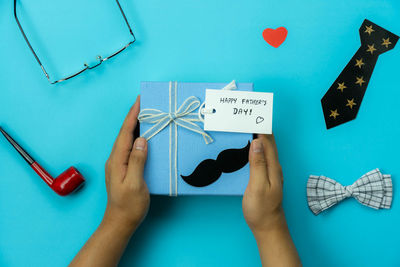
{"x":175,"y":150}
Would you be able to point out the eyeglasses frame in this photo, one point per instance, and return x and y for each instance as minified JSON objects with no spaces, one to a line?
{"x":86,"y":66}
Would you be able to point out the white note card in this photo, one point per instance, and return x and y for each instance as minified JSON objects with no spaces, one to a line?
{"x":238,"y":111}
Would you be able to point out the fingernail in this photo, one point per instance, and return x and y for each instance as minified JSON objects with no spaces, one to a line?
{"x":257,"y":146}
{"x":140,"y":143}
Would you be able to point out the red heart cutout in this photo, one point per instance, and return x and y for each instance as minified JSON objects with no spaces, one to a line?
{"x":275,"y":37}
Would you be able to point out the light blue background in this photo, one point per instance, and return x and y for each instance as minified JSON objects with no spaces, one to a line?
{"x":194,"y":41}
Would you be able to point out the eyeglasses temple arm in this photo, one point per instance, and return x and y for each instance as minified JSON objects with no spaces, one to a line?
{"x":27,"y":41}
{"x":126,"y":20}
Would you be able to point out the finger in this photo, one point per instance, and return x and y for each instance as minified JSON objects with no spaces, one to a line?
{"x":137,"y":160}
{"x":258,"y":166}
{"x":271,"y":155}
{"x":123,"y":144}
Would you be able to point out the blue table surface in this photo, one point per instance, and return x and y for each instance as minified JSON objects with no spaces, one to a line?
{"x":76,"y":122}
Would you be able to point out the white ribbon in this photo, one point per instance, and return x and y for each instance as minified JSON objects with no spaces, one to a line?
{"x":182,"y":117}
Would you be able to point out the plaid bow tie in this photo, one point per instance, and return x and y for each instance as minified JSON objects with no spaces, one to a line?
{"x":373,"y":189}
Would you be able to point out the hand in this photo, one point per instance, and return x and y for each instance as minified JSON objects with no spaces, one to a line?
{"x":128,"y":195}
{"x":262,"y":200}
{"x":262,"y":205}
{"x":128,"y":198}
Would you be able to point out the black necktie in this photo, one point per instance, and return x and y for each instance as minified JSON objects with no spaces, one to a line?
{"x":343,"y":99}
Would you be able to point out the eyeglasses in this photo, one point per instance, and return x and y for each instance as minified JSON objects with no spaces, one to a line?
{"x":86,"y":66}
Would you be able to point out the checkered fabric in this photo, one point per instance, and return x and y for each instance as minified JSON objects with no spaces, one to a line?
{"x":373,"y":189}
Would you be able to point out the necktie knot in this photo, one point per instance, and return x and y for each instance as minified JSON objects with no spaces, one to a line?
{"x":348,"y":191}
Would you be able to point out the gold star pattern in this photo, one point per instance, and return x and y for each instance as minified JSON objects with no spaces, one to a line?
{"x":386,"y":42}
{"x":371,"y":48}
{"x":360,"y":80}
{"x":359,"y":63}
{"x":351,"y":103}
{"x":369,"y":29}
{"x":341,"y":86}
{"x":334,"y":114}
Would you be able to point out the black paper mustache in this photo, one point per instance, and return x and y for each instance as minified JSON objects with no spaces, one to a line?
{"x":209,"y":170}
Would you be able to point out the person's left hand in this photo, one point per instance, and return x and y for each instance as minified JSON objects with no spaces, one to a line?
{"x":128,"y":198}
{"x":128,"y":195}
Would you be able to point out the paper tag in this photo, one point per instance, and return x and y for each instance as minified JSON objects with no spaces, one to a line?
{"x":238,"y":111}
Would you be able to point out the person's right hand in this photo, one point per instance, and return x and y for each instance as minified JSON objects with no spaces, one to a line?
{"x":262,"y":200}
{"x":262,"y":205}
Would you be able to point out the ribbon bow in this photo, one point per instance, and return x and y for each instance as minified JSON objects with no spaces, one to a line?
{"x":182,"y":117}
{"x":373,"y":189}
{"x":175,"y":117}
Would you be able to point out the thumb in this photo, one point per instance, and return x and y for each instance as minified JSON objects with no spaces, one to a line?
{"x":258,"y":165}
{"x":137,"y":160}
